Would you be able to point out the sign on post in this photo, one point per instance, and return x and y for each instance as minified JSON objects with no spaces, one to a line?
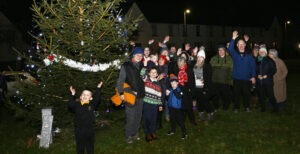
{"x":46,"y":133}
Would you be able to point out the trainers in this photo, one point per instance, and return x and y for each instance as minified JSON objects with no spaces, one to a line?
{"x":136,"y":137}
{"x":201,"y":116}
{"x":149,"y":138}
{"x":184,"y":136}
{"x":236,"y":111}
{"x":171,"y":133}
{"x":210,"y":117}
{"x":248,"y":109}
{"x":154,"y":136}
{"x":129,"y":140}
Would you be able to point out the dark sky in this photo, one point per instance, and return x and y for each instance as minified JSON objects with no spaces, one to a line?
{"x":231,"y":12}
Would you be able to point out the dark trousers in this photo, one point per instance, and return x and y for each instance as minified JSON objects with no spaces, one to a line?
{"x":190,"y":113}
{"x":223,"y":93}
{"x":150,"y":115}
{"x":241,"y":88}
{"x":268,"y":90}
{"x":176,"y":115}
{"x":202,"y":101}
{"x":133,"y":117}
{"x":84,"y":140}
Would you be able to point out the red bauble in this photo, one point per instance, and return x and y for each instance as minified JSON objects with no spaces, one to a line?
{"x":50,"y":57}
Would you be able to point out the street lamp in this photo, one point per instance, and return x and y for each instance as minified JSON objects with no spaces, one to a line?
{"x":187,"y":11}
{"x":285,"y":36}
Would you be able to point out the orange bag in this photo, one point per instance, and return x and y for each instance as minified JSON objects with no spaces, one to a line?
{"x":128,"y":97}
{"x":116,"y":99}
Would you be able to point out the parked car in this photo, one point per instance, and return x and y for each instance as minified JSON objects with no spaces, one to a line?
{"x":12,"y":79}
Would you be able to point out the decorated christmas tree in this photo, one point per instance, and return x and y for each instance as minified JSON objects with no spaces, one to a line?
{"x":81,"y":42}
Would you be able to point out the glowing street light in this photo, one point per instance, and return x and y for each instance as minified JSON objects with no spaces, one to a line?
{"x":285,"y":35}
{"x":187,"y":11}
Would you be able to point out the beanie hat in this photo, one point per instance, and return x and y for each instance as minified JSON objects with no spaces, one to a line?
{"x":164,"y":58}
{"x":263,"y":49}
{"x":201,"y":53}
{"x":173,"y":78}
{"x":222,"y":47}
{"x":138,"y":50}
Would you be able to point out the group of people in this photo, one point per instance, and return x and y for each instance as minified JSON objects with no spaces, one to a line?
{"x":179,"y":82}
{"x":182,"y":81}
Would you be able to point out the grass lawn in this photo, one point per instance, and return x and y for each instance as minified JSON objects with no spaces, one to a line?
{"x":253,"y":132}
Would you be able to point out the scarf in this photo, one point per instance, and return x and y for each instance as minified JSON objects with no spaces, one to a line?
{"x":82,"y":102}
{"x":261,"y":58}
{"x":182,"y":75}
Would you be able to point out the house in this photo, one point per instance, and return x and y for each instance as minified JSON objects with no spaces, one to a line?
{"x":209,"y":32}
{"x":10,"y":37}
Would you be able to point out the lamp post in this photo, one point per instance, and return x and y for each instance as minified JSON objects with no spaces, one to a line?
{"x":187,"y":11}
{"x":285,"y":36}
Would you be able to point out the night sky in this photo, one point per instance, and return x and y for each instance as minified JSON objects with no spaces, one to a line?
{"x":227,"y":12}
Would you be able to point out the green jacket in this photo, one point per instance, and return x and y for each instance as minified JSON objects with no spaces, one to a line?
{"x":221,"y":69}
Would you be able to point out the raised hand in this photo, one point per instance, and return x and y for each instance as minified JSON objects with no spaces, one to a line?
{"x":166,"y":39}
{"x":150,"y":41}
{"x":72,"y":90}
{"x":235,"y":34}
{"x":179,"y":51}
{"x":100,"y":85}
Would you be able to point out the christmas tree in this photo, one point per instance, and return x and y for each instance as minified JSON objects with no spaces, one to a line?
{"x":83,"y":42}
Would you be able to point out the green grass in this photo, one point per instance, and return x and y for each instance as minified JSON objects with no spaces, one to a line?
{"x":253,"y":132}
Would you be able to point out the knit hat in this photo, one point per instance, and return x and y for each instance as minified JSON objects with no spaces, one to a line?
{"x":221,"y":46}
{"x":263,"y":49}
{"x":173,"y":78}
{"x":201,"y":53}
{"x":138,"y":50}
{"x":164,"y":58}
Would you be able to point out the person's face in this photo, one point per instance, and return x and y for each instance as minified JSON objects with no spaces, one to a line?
{"x":221,"y":52}
{"x":161,"y":61}
{"x":154,"y":59}
{"x":184,"y":56}
{"x":153,"y":73}
{"x":146,"y":52}
{"x":200,"y":59}
{"x":165,"y":52}
{"x":187,"y":47}
{"x":174,"y":84}
{"x":271,"y":56}
{"x":255,"y":52}
{"x":138,"y":57}
{"x":181,"y":64}
{"x":262,"y":53}
{"x":173,"y":49}
{"x":86,"y":96}
{"x":241,"y":46}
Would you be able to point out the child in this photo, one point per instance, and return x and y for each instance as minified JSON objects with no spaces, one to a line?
{"x":84,"y":118}
{"x":152,"y":103}
{"x":153,"y":61}
{"x":174,"y":105}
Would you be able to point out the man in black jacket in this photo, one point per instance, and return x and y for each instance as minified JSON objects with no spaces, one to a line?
{"x":130,"y":74}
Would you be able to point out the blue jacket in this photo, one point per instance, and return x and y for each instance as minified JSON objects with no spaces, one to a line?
{"x":243,"y":65}
{"x":266,"y":67}
{"x":175,"y":98}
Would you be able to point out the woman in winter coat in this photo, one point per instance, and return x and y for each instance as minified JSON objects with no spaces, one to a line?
{"x":203,"y":76}
{"x":186,"y":78}
{"x":265,"y":70}
{"x":279,"y":78}
{"x":162,"y":69}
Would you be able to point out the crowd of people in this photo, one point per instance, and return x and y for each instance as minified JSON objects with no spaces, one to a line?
{"x":183,"y":82}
